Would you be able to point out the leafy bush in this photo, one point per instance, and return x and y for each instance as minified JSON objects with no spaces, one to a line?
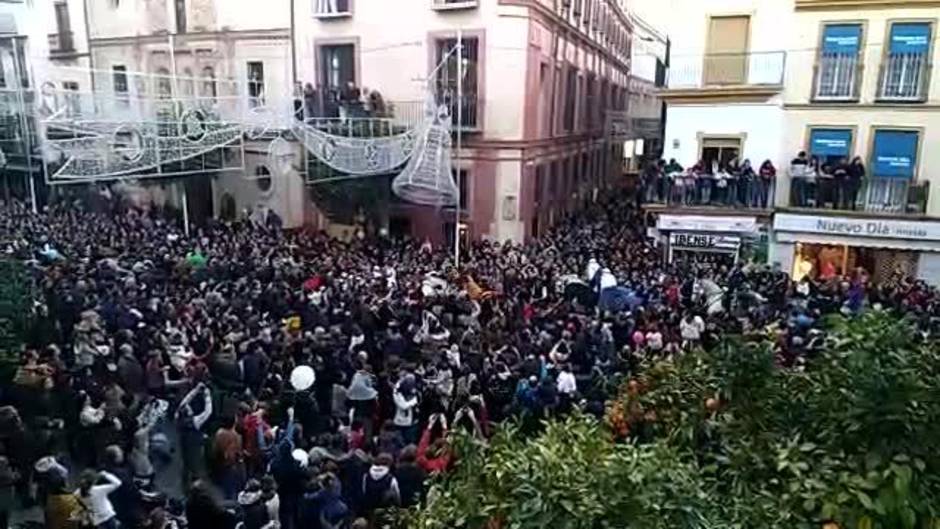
{"x":727,"y":439}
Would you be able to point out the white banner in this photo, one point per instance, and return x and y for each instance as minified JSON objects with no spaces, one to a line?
{"x":703,"y":223}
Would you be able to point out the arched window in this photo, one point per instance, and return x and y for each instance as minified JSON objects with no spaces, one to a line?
{"x":263,"y":178}
{"x":164,"y":83}
{"x":187,"y":84}
{"x":227,"y":208}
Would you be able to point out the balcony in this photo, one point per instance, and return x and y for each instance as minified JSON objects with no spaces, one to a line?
{"x":329,"y":9}
{"x":61,"y":43}
{"x":890,"y":196}
{"x":904,"y":78}
{"x":837,"y":77}
{"x":469,"y":104}
{"x":684,"y":191}
{"x":722,"y":74}
{"x":454,"y":5}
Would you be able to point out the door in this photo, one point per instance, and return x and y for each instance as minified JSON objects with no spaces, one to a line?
{"x":721,"y":150}
{"x":726,"y":55}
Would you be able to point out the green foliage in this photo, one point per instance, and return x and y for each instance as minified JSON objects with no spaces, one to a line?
{"x":15,"y":310}
{"x":727,"y":439}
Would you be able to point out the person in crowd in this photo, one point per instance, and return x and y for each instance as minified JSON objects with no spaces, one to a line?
{"x":8,"y":479}
{"x":399,"y":357}
{"x":93,"y":497}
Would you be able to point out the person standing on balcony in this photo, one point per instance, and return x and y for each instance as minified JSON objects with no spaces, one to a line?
{"x":856,"y":172}
{"x":767,"y":175}
{"x":840,"y":174}
{"x":746,"y":184}
{"x":798,"y":169}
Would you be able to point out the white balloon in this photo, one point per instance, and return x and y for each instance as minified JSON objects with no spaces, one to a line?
{"x":302,"y":377}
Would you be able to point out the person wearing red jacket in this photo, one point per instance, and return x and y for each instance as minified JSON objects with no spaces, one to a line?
{"x":434,"y":457}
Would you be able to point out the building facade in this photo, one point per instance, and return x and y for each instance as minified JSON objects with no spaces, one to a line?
{"x":724,"y":105}
{"x":862,"y":85}
{"x":231,"y":56}
{"x":41,"y":43}
{"x":540,"y":77}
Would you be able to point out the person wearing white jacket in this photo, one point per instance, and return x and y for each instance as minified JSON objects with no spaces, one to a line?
{"x":405,"y":396}
{"x":94,"y":498}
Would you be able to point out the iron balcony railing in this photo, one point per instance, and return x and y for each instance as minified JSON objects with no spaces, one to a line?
{"x":837,"y":76}
{"x":727,"y":69}
{"x":873,"y":195}
{"x":468,"y":103}
{"x":61,"y":42}
{"x":904,"y":77}
{"x":332,"y":8}
{"x":683,"y":190}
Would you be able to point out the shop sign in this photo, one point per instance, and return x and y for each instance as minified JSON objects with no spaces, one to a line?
{"x":704,"y":241}
{"x":703,"y":223}
{"x":852,"y":227}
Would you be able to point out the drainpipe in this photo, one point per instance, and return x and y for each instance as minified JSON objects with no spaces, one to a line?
{"x":91,"y":56}
{"x":293,"y":44}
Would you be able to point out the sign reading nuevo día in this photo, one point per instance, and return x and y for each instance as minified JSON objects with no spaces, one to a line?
{"x":859,"y":227}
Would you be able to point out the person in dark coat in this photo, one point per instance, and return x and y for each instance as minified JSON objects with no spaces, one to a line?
{"x":254,"y":511}
{"x":204,"y":509}
{"x":410,"y":477}
{"x":126,"y":499}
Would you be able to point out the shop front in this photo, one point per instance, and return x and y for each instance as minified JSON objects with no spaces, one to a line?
{"x":822,"y":247}
{"x":720,"y":240}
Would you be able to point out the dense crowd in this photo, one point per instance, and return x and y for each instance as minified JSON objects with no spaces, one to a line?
{"x":248,"y":374}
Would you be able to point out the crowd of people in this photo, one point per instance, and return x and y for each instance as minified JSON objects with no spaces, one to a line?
{"x":733,"y":183}
{"x":817,"y":182}
{"x":274,"y":378}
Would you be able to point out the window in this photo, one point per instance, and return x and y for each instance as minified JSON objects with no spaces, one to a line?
{"x":332,"y":7}
{"x":187,"y":85}
{"x":726,"y":56}
{"x":539,"y":175}
{"x":894,"y":153}
{"x":209,"y":89}
{"x":3,"y":72}
{"x":119,"y":76}
{"x":590,"y":102}
{"x":255,"y":83}
{"x":720,"y":150}
{"x":839,"y":62}
{"x":21,"y":70}
{"x":553,"y":180}
{"x":337,"y":66}
{"x":263,"y":179}
{"x":63,"y":28}
{"x":830,"y":145}
{"x":447,"y":79}
{"x":571,"y":95}
{"x":72,"y":99}
{"x":463,"y":184}
{"x":180,"y":6}
{"x":905,"y":69}
{"x":164,"y":83}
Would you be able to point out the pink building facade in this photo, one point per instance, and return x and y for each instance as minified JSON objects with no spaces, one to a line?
{"x":542,"y":79}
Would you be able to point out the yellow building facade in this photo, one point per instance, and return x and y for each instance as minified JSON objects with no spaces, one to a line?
{"x":860,"y":82}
